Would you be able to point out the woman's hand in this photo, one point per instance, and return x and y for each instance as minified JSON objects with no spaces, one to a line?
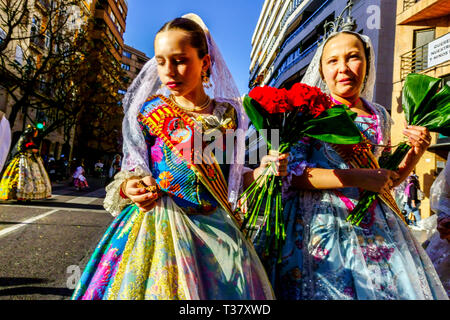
{"x":144,"y":199}
{"x":277,"y":163}
{"x":419,"y":138}
{"x":376,"y":180}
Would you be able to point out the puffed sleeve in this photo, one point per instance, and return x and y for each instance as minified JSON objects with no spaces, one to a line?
{"x":135,"y":164}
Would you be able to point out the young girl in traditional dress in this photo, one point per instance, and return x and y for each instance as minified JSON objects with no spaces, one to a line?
{"x":79,"y":178}
{"x":174,"y":235}
{"x":324,"y":256}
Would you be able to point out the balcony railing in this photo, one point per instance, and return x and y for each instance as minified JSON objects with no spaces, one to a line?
{"x":415,"y":61}
{"x":292,"y":7}
{"x":408,"y":4}
{"x":305,"y":24}
{"x":292,"y":60}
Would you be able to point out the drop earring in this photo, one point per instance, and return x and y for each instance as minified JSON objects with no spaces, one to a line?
{"x":205,"y":80}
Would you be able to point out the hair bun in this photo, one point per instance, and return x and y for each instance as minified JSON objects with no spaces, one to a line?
{"x":196,"y":19}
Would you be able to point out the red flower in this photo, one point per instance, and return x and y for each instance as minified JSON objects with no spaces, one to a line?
{"x":309,"y":99}
{"x":273,"y":100}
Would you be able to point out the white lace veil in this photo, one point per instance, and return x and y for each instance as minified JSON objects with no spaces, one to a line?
{"x":312,"y":76}
{"x":147,"y":83}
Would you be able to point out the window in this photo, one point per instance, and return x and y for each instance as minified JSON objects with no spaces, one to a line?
{"x":127,"y":54}
{"x":125,"y":67}
{"x":35,"y":26}
{"x":421,"y":39}
{"x":47,"y":39}
{"x":19,"y":55}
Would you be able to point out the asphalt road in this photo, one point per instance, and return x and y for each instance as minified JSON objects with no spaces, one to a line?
{"x":45,"y":245}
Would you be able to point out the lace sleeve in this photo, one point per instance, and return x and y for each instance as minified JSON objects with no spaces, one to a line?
{"x":113,"y":202}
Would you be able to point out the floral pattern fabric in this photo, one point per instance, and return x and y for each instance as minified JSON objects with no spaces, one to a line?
{"x":325,"y":257}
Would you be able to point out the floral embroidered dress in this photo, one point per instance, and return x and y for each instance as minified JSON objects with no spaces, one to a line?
{"x":325,"y":257}
{"x":188,"y":247}
{"x":25,"y":177}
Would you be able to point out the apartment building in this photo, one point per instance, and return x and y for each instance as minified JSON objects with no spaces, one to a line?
{"x":110,"y":21}
{"x":133,"y":61}
{"x":422,"y":45}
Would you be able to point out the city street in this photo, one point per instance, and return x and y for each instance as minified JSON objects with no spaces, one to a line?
{"x":45,"y":245}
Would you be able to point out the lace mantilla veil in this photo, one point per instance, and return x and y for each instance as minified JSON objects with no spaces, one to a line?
{"x":147,"y":83}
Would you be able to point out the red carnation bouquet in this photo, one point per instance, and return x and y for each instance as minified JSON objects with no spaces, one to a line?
{"x":302,"y":111}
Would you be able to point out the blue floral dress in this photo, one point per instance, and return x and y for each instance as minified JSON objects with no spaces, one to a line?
{"x":325,"y":257}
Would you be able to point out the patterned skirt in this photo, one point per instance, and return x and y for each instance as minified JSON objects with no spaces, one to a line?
{"x":324,"y":257}
{"x":165,"y":254}
{"x":25,"y":178}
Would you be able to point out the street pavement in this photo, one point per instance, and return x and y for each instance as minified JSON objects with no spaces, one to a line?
{"x":45,"y":245}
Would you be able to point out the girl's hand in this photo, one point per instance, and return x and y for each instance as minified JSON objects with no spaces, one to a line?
{"x":419,"y":138}
{"x":376,"y":180}
{"x":145,"y":200}
{"x":277,"y":163}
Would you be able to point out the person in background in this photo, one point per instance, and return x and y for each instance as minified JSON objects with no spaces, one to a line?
{"x":412,"y":204}
{"x":115,"y":166}
{"x":98,"y":168}
{"x":51,"y":167}
{"x":5,"y":139}
{"x":79,"y":180}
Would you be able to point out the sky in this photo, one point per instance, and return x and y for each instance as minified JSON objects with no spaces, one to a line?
{"x":230,"y":22}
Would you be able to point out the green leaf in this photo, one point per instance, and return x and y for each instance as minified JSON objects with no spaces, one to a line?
{"x":438,"y":120}
{"x":251,"y":108}
{"x":334,"y":125}
{"x":417,"y":92}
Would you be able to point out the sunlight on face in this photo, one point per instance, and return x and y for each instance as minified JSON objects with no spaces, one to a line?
{"x":344,"y":66}
{"x":179,"y":66}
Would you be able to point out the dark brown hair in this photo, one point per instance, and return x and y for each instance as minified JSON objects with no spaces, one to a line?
{"x":196,"y":34}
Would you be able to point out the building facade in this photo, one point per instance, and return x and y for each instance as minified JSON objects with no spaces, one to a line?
{"x":422,"y":45}
{"x":110,"y":22}
{"x":133,"y":61}
{"x":288,"y":33}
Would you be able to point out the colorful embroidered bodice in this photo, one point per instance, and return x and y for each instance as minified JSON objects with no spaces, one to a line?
{"x":172,"y":172}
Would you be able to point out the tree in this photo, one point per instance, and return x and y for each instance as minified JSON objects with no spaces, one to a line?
{"x":60,"y":72}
